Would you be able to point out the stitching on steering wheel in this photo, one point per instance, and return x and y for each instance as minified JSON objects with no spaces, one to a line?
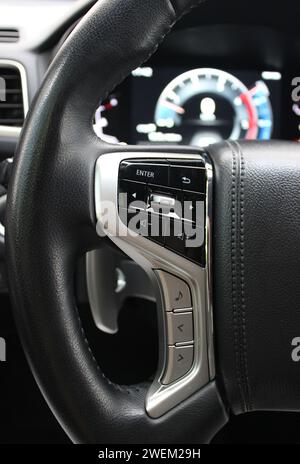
{"x":234,"y":274}
{"x":242,"y":274}
{"x":238,"y":269}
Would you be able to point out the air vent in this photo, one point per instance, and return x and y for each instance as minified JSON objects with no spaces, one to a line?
{"x":9,"y":35}
{"x":13,"y":101}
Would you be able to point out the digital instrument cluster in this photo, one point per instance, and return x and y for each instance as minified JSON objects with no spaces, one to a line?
{"x":199,"y":106}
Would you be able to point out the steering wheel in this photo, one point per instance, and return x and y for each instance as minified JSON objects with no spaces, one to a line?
{"x":228,"y":307}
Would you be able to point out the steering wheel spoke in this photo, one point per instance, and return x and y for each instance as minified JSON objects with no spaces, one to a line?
{"x":156,"y":207}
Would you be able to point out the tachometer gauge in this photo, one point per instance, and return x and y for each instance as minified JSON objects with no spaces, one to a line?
{"x":204,"y":106}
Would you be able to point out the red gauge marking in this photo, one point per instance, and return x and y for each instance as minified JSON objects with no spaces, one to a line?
{"x":178,"y":109}
{"x":113,"y":102}
{"x":252,"y":113}
{"x":108,"y":106}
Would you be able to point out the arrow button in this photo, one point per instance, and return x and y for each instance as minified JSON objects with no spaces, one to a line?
{"x":180,"y":327}
{"x":132,"y":194}
{"x":179,"y":296}
{"x":190,"y":178}
{"x":179,"y":362}
{"x":186,"y":180}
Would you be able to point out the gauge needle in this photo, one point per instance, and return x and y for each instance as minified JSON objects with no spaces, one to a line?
{"x":178,"y":109}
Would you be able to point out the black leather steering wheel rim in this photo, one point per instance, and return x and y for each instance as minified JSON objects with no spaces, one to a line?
{"x":55,"y":160}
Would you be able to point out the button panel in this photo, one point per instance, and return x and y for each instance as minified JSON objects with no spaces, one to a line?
{"x":176,"y":191}
{"x":177,"y":377}
{"x":180,"y":335}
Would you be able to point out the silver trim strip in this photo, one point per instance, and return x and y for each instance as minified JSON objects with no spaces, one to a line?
{"x":8,"y":131}
{"x":151,"y":256}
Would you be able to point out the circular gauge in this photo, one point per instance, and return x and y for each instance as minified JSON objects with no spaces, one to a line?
{"x":204,"y":106}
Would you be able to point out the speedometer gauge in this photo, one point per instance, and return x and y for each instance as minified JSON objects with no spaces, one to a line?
{"x":204,"y":106}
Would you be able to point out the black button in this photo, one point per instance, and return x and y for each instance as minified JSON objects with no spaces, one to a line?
{"x":164,"y":201}
{"x":195,"y":236}
{"x":156,"y":226}
{"x":149,"y":226}
{"x":143,"y":225}
{"x":196,"y":254}
{"x":187,"y":162}
{"x":194,"y":207}
{"x":132,"y":195}
{"x":151,"y":173}
{"x":194,"y":243}
{"x":137,"y":221}
{"x":188,"y":178}
{"x":175,"y":239}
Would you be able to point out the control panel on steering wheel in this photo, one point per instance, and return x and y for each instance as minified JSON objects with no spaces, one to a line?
{"x":157,"y":209}
{"x":164,"y":200}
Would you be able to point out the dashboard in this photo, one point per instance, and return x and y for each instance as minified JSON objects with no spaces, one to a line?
{"x":193,"y":106}
{"x":209,"y":81}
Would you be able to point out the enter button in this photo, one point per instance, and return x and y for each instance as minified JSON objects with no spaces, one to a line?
{"x":146,"y":172}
